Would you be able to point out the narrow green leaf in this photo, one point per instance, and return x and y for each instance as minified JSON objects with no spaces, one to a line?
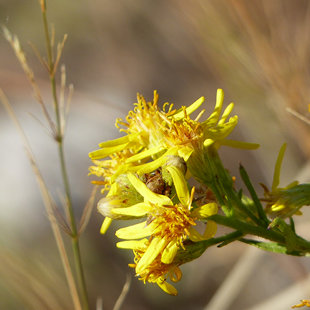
{"x":248,"y":184}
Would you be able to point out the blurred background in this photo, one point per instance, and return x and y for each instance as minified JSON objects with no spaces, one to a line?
{"x":257,"y":51}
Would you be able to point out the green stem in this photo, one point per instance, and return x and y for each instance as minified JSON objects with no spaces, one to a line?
{"x":59,"y":139}
{"x":195,"y":249}
{"x":246,"y":228}
{"x":298,"y":244}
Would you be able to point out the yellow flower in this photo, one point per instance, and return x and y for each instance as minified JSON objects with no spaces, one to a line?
{"x":285,"y":201}
{"x":152,"y":134}
{"x":157,"y":272}
{"x":168,"y":224}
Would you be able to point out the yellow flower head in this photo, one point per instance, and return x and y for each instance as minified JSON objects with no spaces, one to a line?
{"x":153,"y":134}
{"x":157,"y":272}
{"x":168,"y":224}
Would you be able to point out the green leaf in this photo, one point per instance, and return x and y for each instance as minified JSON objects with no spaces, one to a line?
{"x":271,"y":247}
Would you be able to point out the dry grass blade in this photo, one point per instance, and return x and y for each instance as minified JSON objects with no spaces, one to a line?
{"x":37,"y":53}
{"x":14,"y":42}
{"x":52,"y":38}
{"x":68,"y":103}
{"x":298,"y":115}
{"x":47,"y":203}
{"x":87,"y":211}
{"x":37,"y":294}
{"x":60,"y":48}
{"x":40,"y":123}
{"x":123,"y":294}
{"x":62,"y":222}
{"x":64,"y":103}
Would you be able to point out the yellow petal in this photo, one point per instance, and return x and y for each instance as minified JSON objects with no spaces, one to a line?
{"x":176,"y":274}
{"x":210,"y":230}
{"x":205,"y":211}
{"x":114,"y":142}
{"x":185,"y":152}
{"x":226,"y":113}
{"x":102,"y":153}
{"x":167,"y":287}
{"x":180,"y":184}
{"x":214,"y":117}
{"x":156,"y":246}
{"x":105,"y":225}
{"x":220,"y":132}
{"x":193,"y":107}
{"x":194,"y":235}
{"x":138,"y":210}
{"x":169,"y":252}
{"x":277,"y":207}
{"x":136,"y":231}
{"x":133,"y":244}
{"x":153,"y":165}
{"x":147,"y":193}
{"x":145,"y":154}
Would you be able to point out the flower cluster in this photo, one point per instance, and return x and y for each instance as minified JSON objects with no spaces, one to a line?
{"x":145,"y":174}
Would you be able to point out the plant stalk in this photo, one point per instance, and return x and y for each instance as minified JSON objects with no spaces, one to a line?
{"x":59,"y":139}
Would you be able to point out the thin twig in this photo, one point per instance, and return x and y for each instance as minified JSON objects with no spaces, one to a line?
{"x":59,"y":139}
{"x":298,"y":115}
{"x":60,"y":48}
{"x":87,"y":211}
{"x":123,"y":294}
{"x":48,"y":203}
{"x":13,"y":40}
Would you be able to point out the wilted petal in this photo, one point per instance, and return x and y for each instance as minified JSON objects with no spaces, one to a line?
{"x":167,"y":287}
{"x":176,"y":274}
